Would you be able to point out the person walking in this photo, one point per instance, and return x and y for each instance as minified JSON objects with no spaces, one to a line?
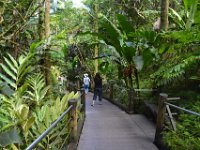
{"x":97,"y":89}
{"x":86,"y":82}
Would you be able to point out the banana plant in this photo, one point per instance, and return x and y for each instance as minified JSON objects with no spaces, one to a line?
{"x":191,"y":14}
{"x":132,"y":46}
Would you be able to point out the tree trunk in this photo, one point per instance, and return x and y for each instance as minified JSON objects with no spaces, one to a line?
{"x":164,"y":15}
{"x":47,"y":62}
{"x":41,"y":33}
{"x":96,"y":28}
{"x":47,"y":18}
{"x":41,"y":20}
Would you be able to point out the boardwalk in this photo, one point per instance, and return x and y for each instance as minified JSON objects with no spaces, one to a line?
{"x":108,"y":128}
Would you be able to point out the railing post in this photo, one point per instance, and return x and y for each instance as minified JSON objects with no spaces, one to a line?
{"x":73,"y":123}
{"x":160,"y":117}
{"x":83,"y":101}
{"x":131,"y":95}
{"x":111,"y":91}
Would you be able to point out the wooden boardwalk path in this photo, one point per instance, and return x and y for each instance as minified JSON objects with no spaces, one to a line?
{"x":109,"y":128}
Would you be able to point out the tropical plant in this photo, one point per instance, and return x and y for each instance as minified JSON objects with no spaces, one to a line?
{"x":130,"y":44}
{"x":45,"y":115}
{"x":185,"y":19}
{"x":15,"y":112}
{"x":16,"y":70}
{"x":28,"y":123}
{"x":38,"y":90}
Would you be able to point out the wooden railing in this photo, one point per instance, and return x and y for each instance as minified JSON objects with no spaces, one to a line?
{"x":163,"y":109}
{"x":72,"y":124}
{"x":132,"y":98}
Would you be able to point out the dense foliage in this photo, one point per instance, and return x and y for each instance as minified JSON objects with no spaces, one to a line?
{"x":121,"y":39}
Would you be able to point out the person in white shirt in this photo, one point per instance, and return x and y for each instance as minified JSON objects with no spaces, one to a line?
{"x":86,"y":82}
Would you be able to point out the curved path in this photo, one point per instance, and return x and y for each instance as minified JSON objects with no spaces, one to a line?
{"x":109,"y":128}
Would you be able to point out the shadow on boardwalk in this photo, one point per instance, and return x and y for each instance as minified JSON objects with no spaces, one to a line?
{"x":109,"y":128}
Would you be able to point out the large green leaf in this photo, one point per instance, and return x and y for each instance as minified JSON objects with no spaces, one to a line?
{"x":177,"y":18}
{"x":5,"y":89}
{"x":111,"y":34}
{"x":193,"y":9}
{"x":147,"y":57}
{"x":27,"y":125}
{"x":128,"y":53}
{"x":125,"y":24}
{"x":34,"y":46}
{"x":148,"y":36}
{"x":189,"y":3}
{"x":9,"y":137}
{"x":139,"y":62}
{"x":23,"y":111}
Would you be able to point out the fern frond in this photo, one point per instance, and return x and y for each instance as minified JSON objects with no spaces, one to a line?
{"x":8,"y":71}
{"x":9,"y":63}
{"x":10,"y":82}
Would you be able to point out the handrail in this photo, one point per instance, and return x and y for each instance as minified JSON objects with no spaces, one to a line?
{"x":30,"y":147}
{"x":145,"y":90}
{"x":173,"y":98}
{"x":138,"y":90}
{"x":183,"y":109}
{"x":163,"y":105}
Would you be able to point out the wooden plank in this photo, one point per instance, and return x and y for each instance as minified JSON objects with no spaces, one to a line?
{"x":173,"y":98}
{"x":145,"y":90}
{"x":171,"y":118}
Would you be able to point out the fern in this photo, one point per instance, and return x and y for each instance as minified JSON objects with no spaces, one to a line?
{"x":37,"y":90}
{"x":15,"y":70}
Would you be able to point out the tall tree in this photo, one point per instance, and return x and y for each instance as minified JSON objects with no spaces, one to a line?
{"x":41,"y":19}
{"x":164,"y":14}
{"x":47,"y":63}
{"x":96,"y":28}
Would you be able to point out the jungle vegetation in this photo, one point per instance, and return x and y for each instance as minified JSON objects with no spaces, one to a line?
{"x":133,"y":44}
